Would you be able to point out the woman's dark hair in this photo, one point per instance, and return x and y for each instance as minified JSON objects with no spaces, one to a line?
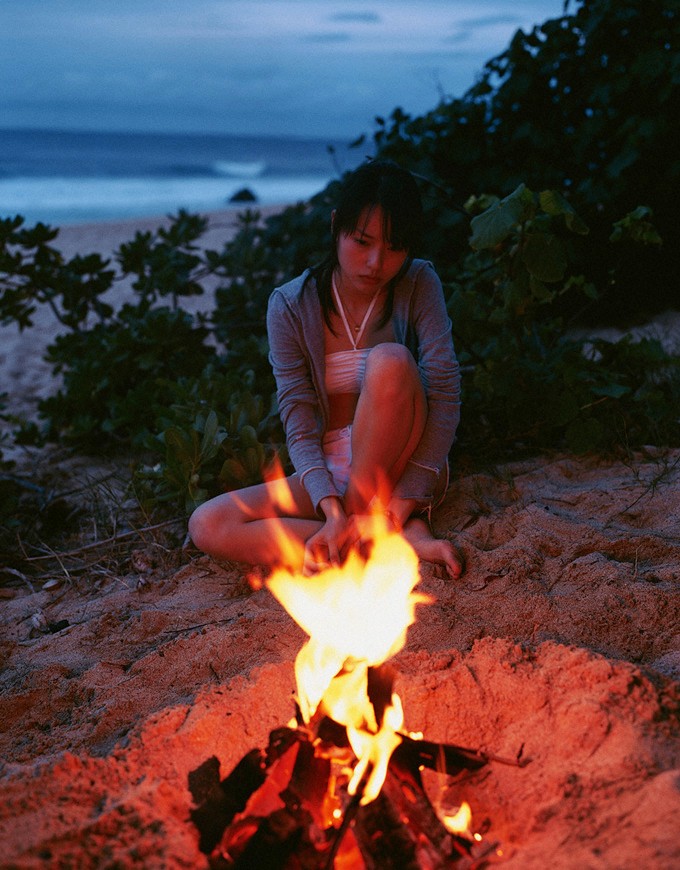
{"x":376,"y":183}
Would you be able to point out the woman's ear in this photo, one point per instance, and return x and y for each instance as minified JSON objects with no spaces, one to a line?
{"x":332,"y":219}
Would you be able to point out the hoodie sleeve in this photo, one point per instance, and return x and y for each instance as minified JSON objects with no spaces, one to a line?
{"x":297,"y":397}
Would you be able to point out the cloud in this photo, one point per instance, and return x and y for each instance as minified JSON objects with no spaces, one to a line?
{"x":357,"y":17}
{"x":476,"y":31}
{"x":308,"y":66}
{"x":491,"y":20}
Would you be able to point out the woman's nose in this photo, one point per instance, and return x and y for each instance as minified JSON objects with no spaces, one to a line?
{"x":375,"y":257}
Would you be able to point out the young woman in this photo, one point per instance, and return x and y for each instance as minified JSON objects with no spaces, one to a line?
{"x":368,"y":389}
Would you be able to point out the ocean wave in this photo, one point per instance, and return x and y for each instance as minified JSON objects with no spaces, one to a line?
{"x":239,"y":169}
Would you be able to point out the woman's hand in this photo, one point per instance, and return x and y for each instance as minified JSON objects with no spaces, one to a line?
{"x":362,"y":530}
{"x":323,"y":549}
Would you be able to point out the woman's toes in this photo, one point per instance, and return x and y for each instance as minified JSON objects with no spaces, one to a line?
{"x":442,"y":553}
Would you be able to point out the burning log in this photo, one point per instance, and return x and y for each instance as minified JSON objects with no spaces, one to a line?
{"x":289,"y":806}
{"x":298,"y":812}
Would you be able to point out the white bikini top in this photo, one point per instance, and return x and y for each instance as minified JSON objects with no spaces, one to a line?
{"x":345,"y":369}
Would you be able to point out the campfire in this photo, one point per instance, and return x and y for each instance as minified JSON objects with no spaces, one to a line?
{"x":343,"y":785}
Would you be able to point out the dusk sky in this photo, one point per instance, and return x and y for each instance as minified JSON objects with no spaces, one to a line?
{"x":296,"y":67}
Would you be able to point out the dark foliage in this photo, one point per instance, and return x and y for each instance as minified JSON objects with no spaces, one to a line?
{"x":587,"y":104}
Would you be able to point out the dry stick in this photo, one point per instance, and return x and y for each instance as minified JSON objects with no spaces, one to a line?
{"x":176,"y":631}
{"x":104,"y":543}
{"x":350,"y":812}
{"x":14,"y":573}
{"x":651,"y":486}
{"x":58,"y":557}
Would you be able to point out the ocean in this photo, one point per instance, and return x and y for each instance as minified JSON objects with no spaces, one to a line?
{"x":65,"y":177}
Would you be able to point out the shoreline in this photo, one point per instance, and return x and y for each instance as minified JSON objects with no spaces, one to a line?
{"x":104,"y":237}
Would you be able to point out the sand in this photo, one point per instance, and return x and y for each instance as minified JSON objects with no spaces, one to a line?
{"x":562,"y":641}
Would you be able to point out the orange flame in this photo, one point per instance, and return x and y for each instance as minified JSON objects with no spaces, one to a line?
{"x":356,"y":616}
{"x":283,"y":504}
{"x":459,"y":822}
{"x":275,"y":476}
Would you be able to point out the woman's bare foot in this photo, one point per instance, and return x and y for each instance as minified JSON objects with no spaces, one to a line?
{"x":431,"y":549}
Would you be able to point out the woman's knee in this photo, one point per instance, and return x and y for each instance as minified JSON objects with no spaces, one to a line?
{"x":391,"y":368}
{"x":208,"y":521}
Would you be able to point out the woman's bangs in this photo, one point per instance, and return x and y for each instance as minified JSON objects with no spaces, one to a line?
{"x":397,"y":228}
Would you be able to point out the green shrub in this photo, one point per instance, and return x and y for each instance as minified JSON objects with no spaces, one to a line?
{"x":216,"y":435}
{"x":151,"y":379}
{"x":115,"y":375}
{"x":529,"y":382}
{"x":33,"y":272}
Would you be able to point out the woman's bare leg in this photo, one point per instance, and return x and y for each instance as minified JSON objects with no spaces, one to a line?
{"x":266,"y":524}
{"x":388,"y":424}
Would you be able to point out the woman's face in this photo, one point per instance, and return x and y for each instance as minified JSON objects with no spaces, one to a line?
{"x":366,"y":259}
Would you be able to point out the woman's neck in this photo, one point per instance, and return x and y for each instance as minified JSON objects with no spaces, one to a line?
{"x":353,"y":295}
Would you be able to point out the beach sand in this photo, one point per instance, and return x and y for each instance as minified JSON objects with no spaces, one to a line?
{"x":561,"y":642}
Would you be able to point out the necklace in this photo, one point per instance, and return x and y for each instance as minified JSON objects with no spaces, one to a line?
{"x":355,"y":326}
{"x":359,"y":330}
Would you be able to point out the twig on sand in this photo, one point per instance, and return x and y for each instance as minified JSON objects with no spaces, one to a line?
{"x":176,"y":631}
{"x":104,"y":543}
{"x":667,"y":468}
